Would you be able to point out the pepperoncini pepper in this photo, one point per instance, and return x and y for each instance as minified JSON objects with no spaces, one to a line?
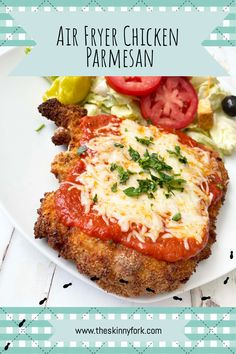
{"x":69,"y":89}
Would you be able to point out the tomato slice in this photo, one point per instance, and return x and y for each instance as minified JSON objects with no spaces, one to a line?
{"x":172,"y":105}
{"x":134,"y":85}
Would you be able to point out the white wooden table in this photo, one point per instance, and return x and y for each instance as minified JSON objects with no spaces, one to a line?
{"x":26,"y":276}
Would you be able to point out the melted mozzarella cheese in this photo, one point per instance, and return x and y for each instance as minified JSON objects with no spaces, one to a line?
{"x":153,"y":216}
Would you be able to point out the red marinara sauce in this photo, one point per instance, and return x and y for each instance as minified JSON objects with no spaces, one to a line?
{"x":71,"y":212}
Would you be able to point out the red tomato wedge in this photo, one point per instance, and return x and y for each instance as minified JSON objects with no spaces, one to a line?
{"x":172,"y":105}
{"x":134,"y":85}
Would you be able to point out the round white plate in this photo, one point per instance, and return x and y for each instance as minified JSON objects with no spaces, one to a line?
{"x":26,"y":155}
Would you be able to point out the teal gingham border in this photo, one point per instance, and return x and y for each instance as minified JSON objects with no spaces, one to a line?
{"x":11,"y":34}
{"x":208,"y":330}
{"x":117,"y":3}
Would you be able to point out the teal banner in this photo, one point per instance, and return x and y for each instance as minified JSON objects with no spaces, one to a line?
{"x":92,"y":43}
{"x":124,"y":326}
{"x":118,"y":330}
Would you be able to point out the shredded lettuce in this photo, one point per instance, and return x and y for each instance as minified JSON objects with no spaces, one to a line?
{"x":223,"y":133}
{"x":210,"y":89}
{"x":111,"y":102}
{"x":222,"y":136}
{"x":92,"y":109}
{"x":203,"y":139}
{"x":197,"y":81}
{"x":194,"y":127}
{"x":98,"y":97}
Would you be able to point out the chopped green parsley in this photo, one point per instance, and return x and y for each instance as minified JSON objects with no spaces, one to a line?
{"x":95,"y":198}
{"x":145,"y":186}
{"x":114,"y":188}
{"x":145,"y":141}
{"x":119,"y":145}
{"x":135,"y":156}
{"x":177,"y":217}
{"x":122,"y":173}
{"x":40,"y":128}
{"x":178,"y":155}
{"x":153,"y":162}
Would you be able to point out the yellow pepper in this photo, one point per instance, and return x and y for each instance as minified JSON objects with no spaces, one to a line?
{"x":69,"y":89}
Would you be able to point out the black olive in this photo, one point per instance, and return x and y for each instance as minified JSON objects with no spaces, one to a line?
{"x":229,"y":105}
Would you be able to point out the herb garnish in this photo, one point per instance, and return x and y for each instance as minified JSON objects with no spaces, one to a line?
{"x":27,"y":50}
{"x":170,"y":182}
{"x":113,"y":167}
{"x":114,"y":188}
{"x":146,"y":186}
{"x":149,"y":161}
{"x":132,"y":192}
{"x":122,"y":173}
{"x":154,"y":162}
{"x":177,"y":153}
{"x":177,"y":217}
{"x":220,"y":186}
{"x":135,"y":156}
{"x":119,"y":145}
{"x":40,"y":128}
{"x":145,"y":141}
{"x":82,"y":149}
{"x":95,"y":198}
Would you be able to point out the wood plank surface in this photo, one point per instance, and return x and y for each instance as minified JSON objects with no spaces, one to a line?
{"x":27,"y":276}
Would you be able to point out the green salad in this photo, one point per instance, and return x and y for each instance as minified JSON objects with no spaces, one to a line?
{"x":199,"y":106}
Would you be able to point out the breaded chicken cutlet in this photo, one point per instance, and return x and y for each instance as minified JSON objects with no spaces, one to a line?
{"x":130,"y":254}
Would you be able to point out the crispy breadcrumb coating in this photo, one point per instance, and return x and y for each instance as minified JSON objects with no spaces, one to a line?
{"x":114,"y":267}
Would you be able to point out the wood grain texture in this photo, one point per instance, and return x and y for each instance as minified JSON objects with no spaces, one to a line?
{"x":221,"y":291}
{"x":6,"y":232}
{"x":25,"y":274}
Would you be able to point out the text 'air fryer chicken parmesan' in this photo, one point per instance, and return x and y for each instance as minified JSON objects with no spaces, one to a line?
{"x":136,"y":205}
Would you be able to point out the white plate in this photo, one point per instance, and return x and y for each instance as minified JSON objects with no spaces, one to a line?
{"x":25,"y":176}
